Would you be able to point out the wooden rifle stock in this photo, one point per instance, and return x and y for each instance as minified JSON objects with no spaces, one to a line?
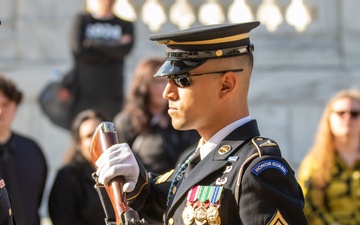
{"x":104,"y":137}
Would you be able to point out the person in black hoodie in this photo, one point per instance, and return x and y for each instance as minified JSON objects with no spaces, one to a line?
{"x":100,"y":42}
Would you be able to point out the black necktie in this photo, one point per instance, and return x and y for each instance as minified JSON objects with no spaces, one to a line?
{"x":193,"y":162}
{"x":9,"y":173}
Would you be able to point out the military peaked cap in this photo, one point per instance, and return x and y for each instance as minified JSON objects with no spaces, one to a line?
{"x":189,"y":48}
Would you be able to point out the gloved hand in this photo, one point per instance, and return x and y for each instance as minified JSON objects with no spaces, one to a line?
{"x":118,"y":160}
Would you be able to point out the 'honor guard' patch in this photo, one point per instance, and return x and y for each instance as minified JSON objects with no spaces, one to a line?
{"x":277,"y":219}
{"x":163,"y":178}
{"x":269,"y":164}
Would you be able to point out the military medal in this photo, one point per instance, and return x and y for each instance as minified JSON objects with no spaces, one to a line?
{"x":213,"y":216}
{"x":202,"y":205}
{"x":200,"y":211}
{"x":200,"y":215}
{"x":188,"y":215}
{"x":189,"y":211}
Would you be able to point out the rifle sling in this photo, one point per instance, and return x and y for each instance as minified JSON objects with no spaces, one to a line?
{"x":110,"y":217}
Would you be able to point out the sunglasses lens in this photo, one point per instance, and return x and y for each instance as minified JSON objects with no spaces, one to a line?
{"x":340,"y":113}
{"x":354,"y":114}
{"x":181,"y":80}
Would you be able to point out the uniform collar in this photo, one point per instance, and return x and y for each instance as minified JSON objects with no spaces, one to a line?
{"x":207,"y":147}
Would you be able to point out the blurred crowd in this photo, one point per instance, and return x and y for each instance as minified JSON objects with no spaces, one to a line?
{"x":329,"y":174}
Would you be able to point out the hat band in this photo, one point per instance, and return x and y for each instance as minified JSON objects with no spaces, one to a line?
{"x":207,"y":42}
{"x":209,"y":54}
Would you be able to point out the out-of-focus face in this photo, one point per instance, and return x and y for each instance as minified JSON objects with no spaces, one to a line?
{"x":7,"y":112}
{"x":345,"y":119}
{"x":156,"y":88}
{"x":105,"y":4}
{"x":86,"y":131}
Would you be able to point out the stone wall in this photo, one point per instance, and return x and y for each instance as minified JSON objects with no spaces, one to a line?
{"x":295,"y":73}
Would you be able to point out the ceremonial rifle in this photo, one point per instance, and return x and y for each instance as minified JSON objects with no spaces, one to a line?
{"x":104,"y":137}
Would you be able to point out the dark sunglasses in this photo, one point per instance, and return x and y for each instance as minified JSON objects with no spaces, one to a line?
{"x":183,"y":79}
{"x":353,"y":114}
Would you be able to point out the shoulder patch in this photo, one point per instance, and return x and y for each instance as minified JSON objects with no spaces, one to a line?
{"x":269,"y":164}
{"x":277,"y":219}
{"x":163,"y":178}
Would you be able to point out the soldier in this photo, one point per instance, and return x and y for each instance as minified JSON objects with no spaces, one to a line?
{"x":6,"y":215}
{"x":235,"y":176}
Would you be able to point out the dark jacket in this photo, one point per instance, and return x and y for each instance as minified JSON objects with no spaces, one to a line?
{"x":259,"y":186}
{"x":73,"y":199}
{"x":25,"y":174}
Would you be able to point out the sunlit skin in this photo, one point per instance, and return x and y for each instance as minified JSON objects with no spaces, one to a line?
{"x":344,"y":126}
{"x":7,"y":113}
{"x":346,"y":130}
{"x":211,"y":101}
{"x":86,"y":131}
{"x":105,"y":8}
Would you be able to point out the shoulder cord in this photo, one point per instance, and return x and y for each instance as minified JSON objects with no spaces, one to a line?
{"x":178,"y":176}
{"x":241,"y":171}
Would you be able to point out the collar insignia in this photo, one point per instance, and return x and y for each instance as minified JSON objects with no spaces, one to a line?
{"x":224,"y":149}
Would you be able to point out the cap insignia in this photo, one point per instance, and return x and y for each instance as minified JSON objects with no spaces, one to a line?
{"x":218,"y":53}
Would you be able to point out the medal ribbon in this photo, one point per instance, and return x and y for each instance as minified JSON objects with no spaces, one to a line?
{"x":204,"y":193}
{"x":193,"y":194}
{"x":216,"y":193}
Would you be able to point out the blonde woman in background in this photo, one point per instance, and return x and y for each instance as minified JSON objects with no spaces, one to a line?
{"x":330,"y":173}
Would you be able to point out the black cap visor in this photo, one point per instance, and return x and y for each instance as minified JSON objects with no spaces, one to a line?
{"x":173,"y":67}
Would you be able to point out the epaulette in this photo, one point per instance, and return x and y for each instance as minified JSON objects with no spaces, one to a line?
{"x":266,"y":146}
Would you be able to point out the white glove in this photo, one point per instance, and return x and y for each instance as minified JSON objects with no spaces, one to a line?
{"x":118,"y":160}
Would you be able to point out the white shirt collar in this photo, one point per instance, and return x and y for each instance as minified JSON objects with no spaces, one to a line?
{"x":207,"y":147}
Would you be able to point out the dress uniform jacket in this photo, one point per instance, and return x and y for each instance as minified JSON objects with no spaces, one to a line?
{"x":259,"y":186}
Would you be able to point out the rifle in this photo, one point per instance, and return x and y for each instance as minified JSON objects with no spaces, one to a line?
{"x":104,"y":137}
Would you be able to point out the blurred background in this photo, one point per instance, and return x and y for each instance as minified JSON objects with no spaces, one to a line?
{"x":305,"y":51}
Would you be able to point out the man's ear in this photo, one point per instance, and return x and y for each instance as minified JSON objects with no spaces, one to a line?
{"x":228,"y":82}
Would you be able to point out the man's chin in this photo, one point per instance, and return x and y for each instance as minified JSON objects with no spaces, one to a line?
{"x":179,"y":125}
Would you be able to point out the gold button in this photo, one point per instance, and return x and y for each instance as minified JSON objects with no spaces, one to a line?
{"x":219,"y":53}
{"x":171,"y":221}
